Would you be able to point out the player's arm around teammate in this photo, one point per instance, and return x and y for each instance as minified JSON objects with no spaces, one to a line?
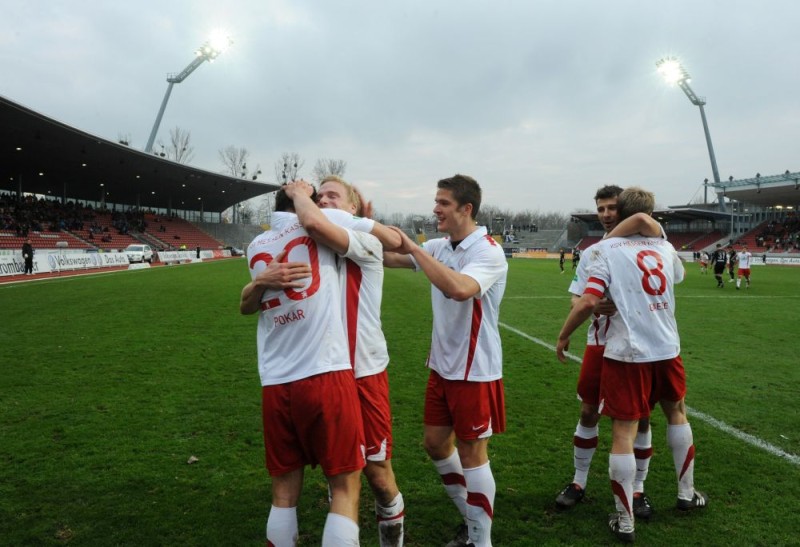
{"x":278,"y":275}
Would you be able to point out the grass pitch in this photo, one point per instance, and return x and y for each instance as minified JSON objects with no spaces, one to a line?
{"x":111,"y":383}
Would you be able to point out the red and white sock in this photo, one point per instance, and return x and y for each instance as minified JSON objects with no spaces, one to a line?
{"x":480,"y":504}
{"x":621,"y":471}
{"x":681,"y":442}
{"x":584,"y":444}
{"x":390,"y":522}
{"x":452,"y":475}
{"x":339,"y":531}
{"x":642,"y":451}
{"x":282,"y":527}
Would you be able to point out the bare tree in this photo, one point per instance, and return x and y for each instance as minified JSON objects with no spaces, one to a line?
{"x":326,"y":167}
{"x":235,"y":161}
{"x":287,"y":168}
{"x":179,"y":148}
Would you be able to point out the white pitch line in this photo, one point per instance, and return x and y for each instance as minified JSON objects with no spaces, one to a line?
{"x":710,"y":420}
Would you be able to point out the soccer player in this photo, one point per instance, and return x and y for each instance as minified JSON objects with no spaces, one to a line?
{"x":361,"y":276}
{"x":310,"y":407}
{"x":561,"y":260}
{"x":464,"y":399}
{"x":703,"y":262}
{"x":731,"y":262}
{"x":576,"y":258}
{"x":585,"y":439}
{"x":745,"y":257}
{"x":719,"y":258}
{"x":642,"y":361}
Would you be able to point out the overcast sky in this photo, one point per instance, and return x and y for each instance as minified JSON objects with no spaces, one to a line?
{"x":542,"y":101}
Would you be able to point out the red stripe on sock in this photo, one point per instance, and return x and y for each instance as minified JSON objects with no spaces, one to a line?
{"x":688,"y":461}
{"x":642,"y":453}
{"x":580,"y":442}
{"x":619,"y":491}
{"x":454,"y":478}
{"x":479,"y":500}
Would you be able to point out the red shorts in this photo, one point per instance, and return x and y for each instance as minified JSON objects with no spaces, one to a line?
{"x":669,"y":381}
{"x":629,"y":391}
{"x":589,"y":378}
{"x":373,"y":393}
{"x":316,"y":420}
{"x":475,"y":410}
{"x":744,"y":272}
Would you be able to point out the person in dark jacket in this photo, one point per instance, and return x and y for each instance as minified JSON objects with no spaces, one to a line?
{"x":27,"y":256}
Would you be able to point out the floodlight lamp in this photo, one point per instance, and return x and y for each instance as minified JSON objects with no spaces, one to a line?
{"x":219,"y":41}
{"x":672,"y":71}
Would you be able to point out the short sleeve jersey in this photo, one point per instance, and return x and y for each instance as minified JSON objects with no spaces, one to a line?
{"x":639,"y":275}
{"x":465,"y":344}
{"x":362,"y":292}
{"x":744,"y":260}
{"x":300,"y":331}
{"x":596,"y":335}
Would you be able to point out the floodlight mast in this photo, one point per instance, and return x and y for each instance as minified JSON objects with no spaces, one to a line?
{"x":207,"y":52}
{"x":674,"y":73}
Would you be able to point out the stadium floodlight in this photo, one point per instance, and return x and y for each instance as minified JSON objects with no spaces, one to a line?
{"x":673,"y":73}
{"x":210,"y":50}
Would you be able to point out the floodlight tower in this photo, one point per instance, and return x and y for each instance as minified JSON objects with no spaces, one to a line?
{"x":207,"y":52}
{"x":673,"y":73}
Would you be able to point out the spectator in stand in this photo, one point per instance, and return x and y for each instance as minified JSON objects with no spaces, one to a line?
{"x":27,"y":256}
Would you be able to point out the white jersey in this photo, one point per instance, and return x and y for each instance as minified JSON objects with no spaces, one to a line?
{"x":744,"y":260}
{"x":596,"y":335}
{"x":300,"y":331}
{"x":363,"y":290}
{"x":639,"y":275}
{"x":465,"y":344}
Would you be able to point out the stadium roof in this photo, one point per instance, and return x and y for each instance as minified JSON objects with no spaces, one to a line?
{"x":685,"y":214}
{"x":767,"y":191}
{"x":52,"y":158}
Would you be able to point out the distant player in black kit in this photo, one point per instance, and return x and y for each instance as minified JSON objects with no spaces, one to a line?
{"x":576,"y":257}
{"x":561,"y":260}
{"x":719,"y":258}
{"x":731,"y":262}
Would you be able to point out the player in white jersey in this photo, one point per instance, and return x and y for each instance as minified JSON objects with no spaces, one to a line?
{"x":464,"y":396}
{"x":310,"y":404}
{"x":642,"y":361}
{"x":585,"y":438}
{"x":361,"y":275}
{"x":745,"y":258}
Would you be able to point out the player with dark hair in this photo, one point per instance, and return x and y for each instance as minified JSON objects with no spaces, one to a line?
{"x":464,"y":400}
{"x":719,"y":259}
{"x":310,"y":408}
{"x":731,"y":263}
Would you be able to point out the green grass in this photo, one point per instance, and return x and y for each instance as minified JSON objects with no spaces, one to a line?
{"x":111,"y":382}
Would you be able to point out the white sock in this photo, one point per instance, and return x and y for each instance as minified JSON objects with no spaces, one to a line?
{"x":282,"y":527}
{"x":390,"y":522}
{"x":738,"y":282}
{"x":621,"y":470}
{"x":642,"y":451}
{"x":452,"y":475}
{"x":681,"y":442}
{"x":339,"y":531}
{"x":584,"y":445}
{"x":480,"y":504}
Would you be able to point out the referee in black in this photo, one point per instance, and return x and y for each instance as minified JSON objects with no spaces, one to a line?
{"x":719,"y":258}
